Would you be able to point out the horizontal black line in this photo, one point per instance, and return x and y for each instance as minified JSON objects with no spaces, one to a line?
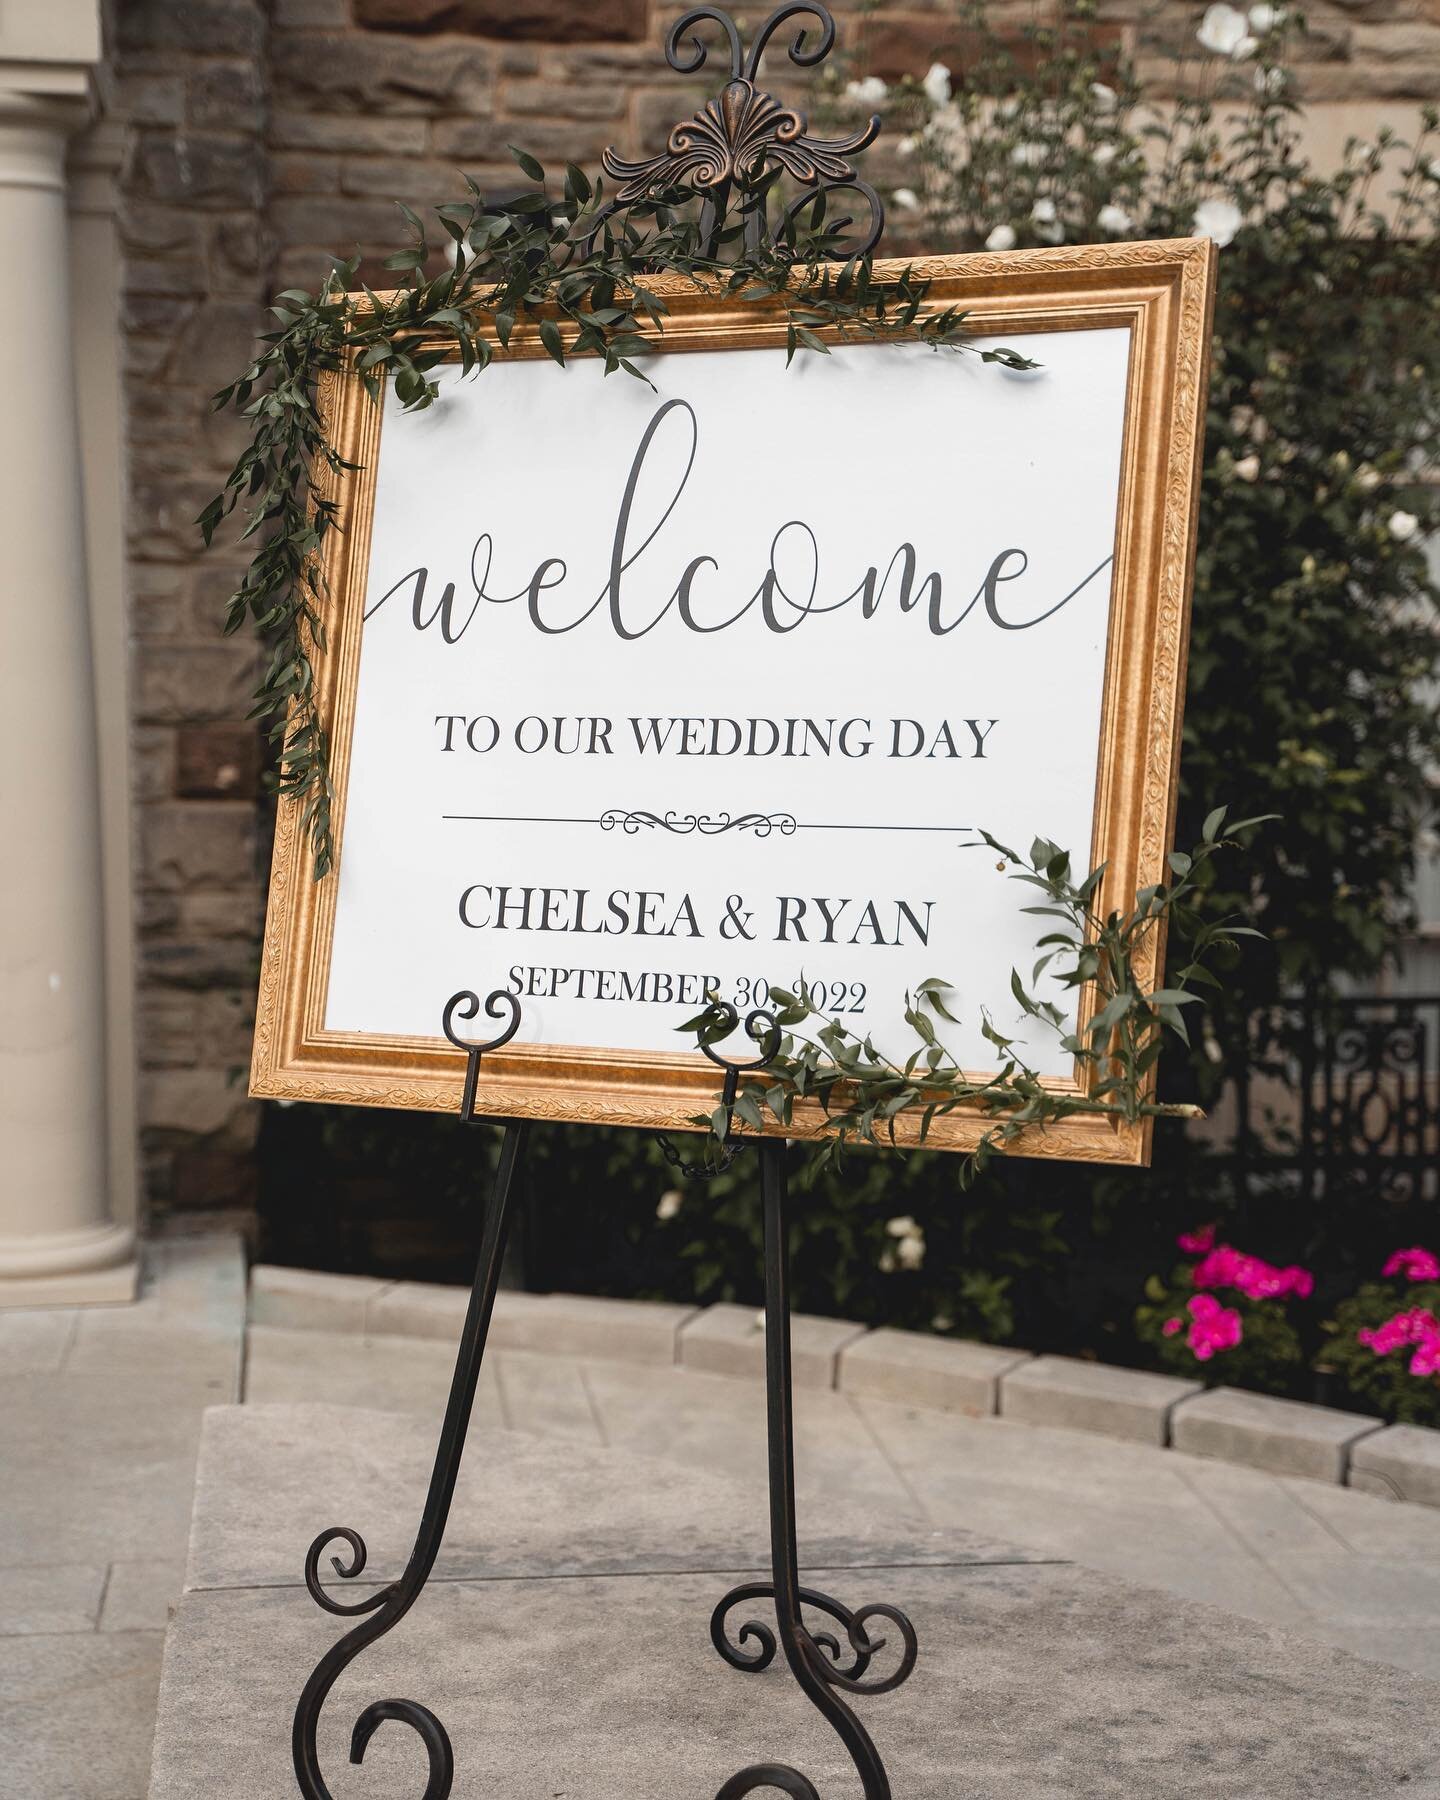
{"x":443,"y":1578}
{"x":542,"y":819}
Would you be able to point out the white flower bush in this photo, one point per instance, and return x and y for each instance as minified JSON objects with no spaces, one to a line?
{"x":871,"y":91}
{"x":1217,"y":218}
{"x":1225,"y":31}
{"x":907,"y":1250}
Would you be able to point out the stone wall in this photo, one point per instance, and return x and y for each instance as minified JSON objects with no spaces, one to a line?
{"x":260,"y":137}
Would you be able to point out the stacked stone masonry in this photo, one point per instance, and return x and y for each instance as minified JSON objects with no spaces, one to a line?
{"x":263,"y":135}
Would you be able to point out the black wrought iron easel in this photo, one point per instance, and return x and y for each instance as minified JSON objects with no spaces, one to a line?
{"x":723,"y":155}
{"x":820,"y":1664}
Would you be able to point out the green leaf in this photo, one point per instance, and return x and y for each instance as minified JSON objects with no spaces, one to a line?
{"x":528,"y":164}
{"x":551,"y":339}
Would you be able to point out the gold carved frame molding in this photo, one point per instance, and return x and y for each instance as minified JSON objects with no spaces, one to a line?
{"x":1162,"y":294}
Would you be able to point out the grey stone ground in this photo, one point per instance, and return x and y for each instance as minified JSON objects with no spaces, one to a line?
{"x":1038,"y":1680}
{"x":100,"y":1421}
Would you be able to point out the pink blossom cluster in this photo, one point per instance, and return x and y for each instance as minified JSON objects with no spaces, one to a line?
{"x":1255,"y":1278}
{"x":1414,"y":1265}
{"x":1212,"y":1326}
{"x":1419,"y":1327}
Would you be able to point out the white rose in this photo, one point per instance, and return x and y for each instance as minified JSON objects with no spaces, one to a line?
{"x":907,"y":145}
{"x":1104,"y":155}
{"x":1265,"y":19}
{"x":1028,"y":156}
{"x":1043,"y":212}
{"x":911,"y":1251}
{"x":669,"y":1204}
{"x":906,"y":199}
{"x":1270,"y":82}
{"x":871,"y":90}
{"x":1001,"y":238}
{"x":1113,"y":218}
{"x":937,"y":84}
{"x":1218,"y":220}
{"x":1104,"y":97}
{"x":904,"y":1226}
{"x":1223,"y":30}
{"x":1248,"y":468}
{"x":1367,"y":479}
{"x":1403,"y":526}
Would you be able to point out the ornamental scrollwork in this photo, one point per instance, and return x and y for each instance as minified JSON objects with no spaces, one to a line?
{"x":743,"y":135}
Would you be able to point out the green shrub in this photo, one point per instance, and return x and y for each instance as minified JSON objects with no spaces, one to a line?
{"x":1382,"y":1380}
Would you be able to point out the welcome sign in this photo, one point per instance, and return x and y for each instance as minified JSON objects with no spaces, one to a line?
{"x":642,"y":692}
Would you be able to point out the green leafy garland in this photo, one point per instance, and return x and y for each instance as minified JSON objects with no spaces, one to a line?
{"x":863,"y":1091}
{"x":568,"y":265}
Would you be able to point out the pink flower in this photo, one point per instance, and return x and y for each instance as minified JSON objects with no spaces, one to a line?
{"x":1255,"y":1278}
{"x":1197,"y":1242}
{"x":1417,"y":1326}
{"x":1171,"y":1326}
{"x":1414,"y":1265}
{"x":1213,"y":1327}
{"x":1426,"y":1360}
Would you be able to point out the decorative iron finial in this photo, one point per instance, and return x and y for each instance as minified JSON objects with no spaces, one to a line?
{"x":738,"y":137}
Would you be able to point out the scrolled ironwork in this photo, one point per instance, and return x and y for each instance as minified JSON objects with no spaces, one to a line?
{"x":501,"y":1004}
{"x":814,"y":1659}
{"x":769,"y":1775}
{"x":763,"y":1031}
{"x":760,"y":1028}
{"x":742,"y":137}
{"x":853,"y":1679}
{"x":358,"y":1558}
{"x":386,"y":1608}
{"x":820,"y":196}
{"x":864,"y":1647}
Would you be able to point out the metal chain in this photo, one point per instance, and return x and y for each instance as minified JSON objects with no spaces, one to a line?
{"x":700,"y":1171}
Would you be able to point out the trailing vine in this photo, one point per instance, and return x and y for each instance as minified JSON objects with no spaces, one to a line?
{"x":575,"y":268}
{"x":863,"y":1090}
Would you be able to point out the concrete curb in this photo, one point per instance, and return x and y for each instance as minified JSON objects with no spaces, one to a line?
{"x":906,"y":1368}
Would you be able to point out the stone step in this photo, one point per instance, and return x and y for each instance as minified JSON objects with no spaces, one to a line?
{"x":564,"y":1643}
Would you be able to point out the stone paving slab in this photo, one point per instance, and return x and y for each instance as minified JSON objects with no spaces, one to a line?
{"x":272,"y":1477}
{"x":1286,"y":1437}
{"x":77,"y":1713}
{"x":310,"y":1300}
{"x":1037,"y":1681}
{"x":730,"y":1340}
{"x":1089,"y":1396}
{"x":948,"y":1374}
{"x":1402,"y":1462}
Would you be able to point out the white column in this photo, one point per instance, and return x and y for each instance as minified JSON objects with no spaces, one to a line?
{"x":58,"y":1242}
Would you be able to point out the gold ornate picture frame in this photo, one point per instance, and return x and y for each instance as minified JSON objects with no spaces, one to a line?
{"x":1161,"y":296}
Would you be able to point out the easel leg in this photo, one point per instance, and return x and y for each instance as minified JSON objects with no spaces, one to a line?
{"x":813,"y":1659}
{"x":390,"y":1605}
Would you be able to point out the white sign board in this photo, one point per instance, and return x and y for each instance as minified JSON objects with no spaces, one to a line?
{"x":714,"y":704}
